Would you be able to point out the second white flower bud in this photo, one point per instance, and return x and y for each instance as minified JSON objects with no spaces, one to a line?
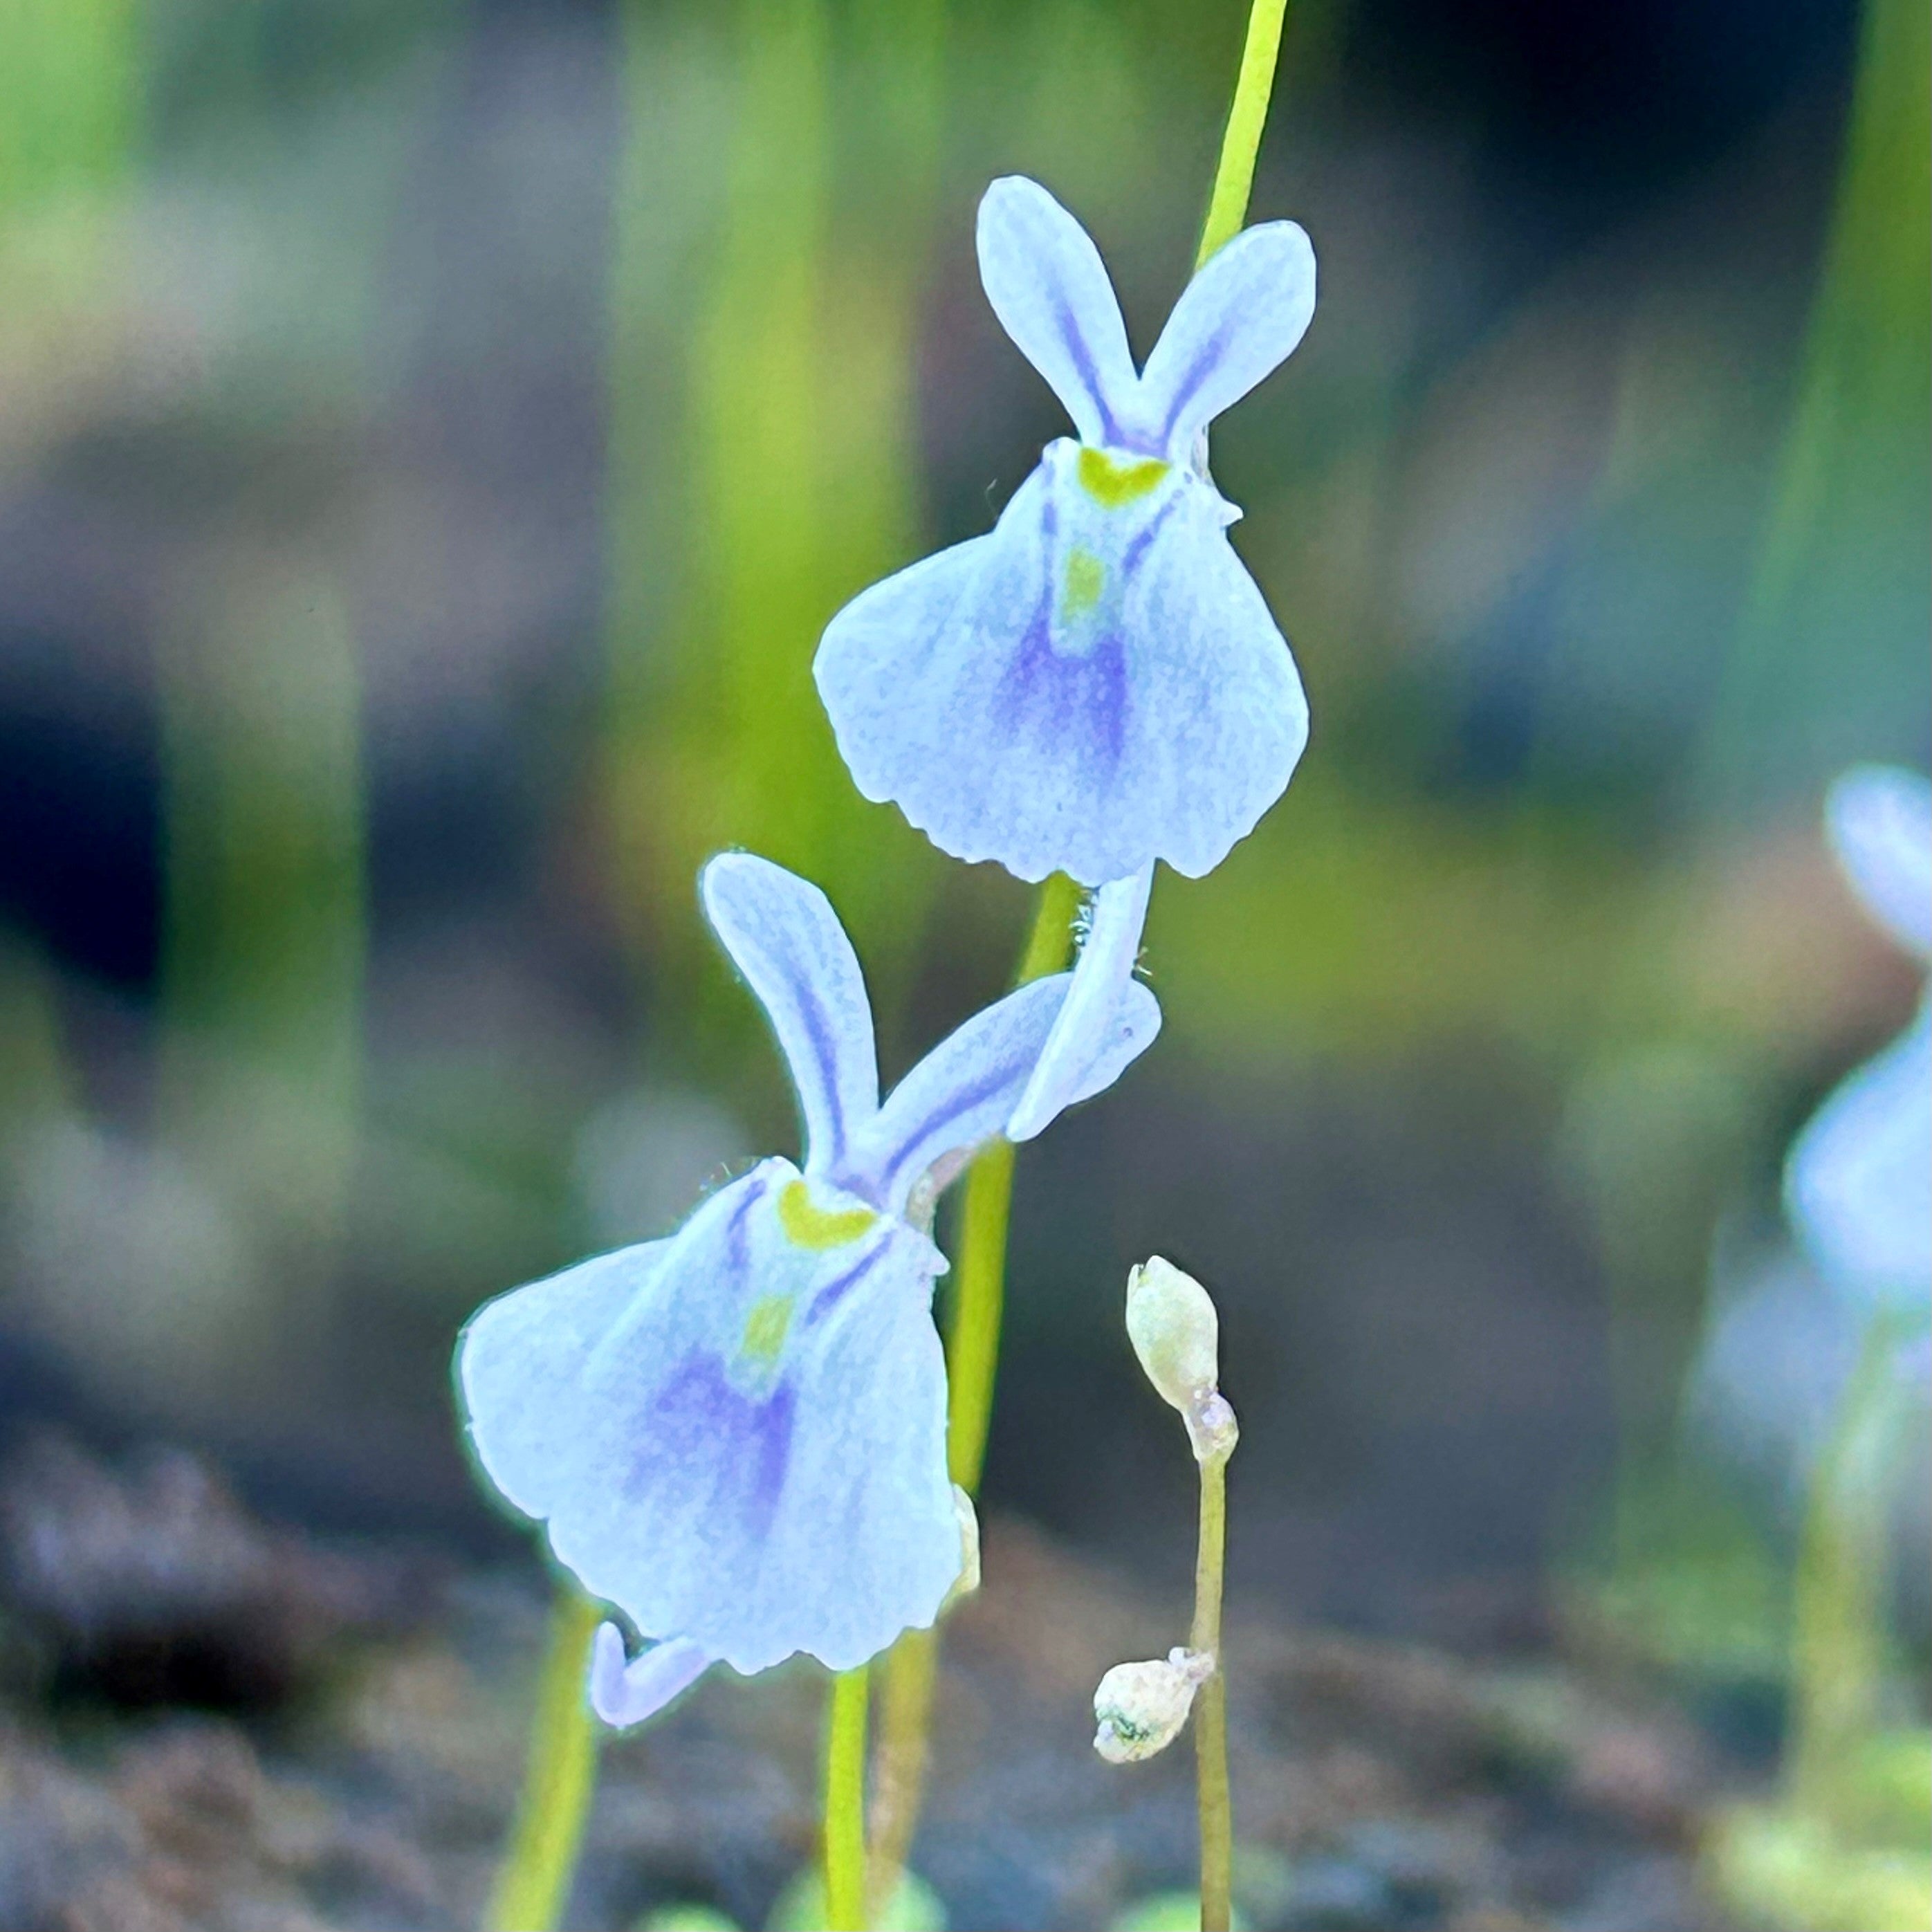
{"x":1140,"y":1708}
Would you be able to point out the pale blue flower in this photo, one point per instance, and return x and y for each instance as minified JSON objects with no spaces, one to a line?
{"x":737,"y":1436}
{"x":1859,"y":1180}
{"x":1097,"y":683}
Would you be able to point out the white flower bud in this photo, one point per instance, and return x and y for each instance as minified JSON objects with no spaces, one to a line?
{"x":1171,"y":1323}
{"x":1140,"y":1708}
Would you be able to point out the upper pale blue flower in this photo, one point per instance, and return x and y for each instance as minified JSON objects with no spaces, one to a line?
{"x":737,"y":1436}
{"x":1859,"y":1180}
{"x":1097,"y":683}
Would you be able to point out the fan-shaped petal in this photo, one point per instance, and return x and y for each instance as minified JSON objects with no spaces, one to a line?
{"x":1084,"y":703}
{"x":738,"y":1437}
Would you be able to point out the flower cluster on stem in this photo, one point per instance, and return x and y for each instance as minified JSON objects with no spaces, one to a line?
{"x":740,"y":1438}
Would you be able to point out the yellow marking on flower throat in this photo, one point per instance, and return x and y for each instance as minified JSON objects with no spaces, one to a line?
{"x":809,"y":1226}
{"x":1086,"y":576}
{"x":1111,"y":484}
{"x":766,"y":1328}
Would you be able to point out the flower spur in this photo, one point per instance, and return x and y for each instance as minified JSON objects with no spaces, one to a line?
{"x":1097,"y":683}
{"x":736,"y":1435}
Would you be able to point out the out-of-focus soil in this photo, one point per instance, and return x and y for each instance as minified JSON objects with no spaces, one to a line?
{"x":360,"y":1774}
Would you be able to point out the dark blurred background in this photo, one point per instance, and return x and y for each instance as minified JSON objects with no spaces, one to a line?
{"x":432,"y":437}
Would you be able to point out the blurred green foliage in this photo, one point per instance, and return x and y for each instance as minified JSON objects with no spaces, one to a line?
{"x":263,"y":970}
{"x":794,"y":487}
{"x":1843,"y":576}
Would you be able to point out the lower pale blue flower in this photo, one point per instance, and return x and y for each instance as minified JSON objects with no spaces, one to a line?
{"x":1859,"y":1183}
{"x":1097,"y":682}
{"x":737,"y":1436}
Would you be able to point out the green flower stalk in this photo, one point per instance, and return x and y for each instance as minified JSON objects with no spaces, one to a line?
{"x":1234,"y":177}
{"x":972,"y":1357}
{"x":1839,"y":1638}
{"x":1140,"y":1708}
{"x":845,"y":1900}
{"x":534,"y":1886}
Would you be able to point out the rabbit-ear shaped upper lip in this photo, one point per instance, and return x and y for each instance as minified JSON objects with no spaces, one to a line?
{"x":1239,"y":317}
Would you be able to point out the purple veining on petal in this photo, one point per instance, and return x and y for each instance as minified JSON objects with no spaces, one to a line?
{"x":829,"y":1297}
{"x":1060,"y":700}
{"x":818,"y":1037}
{"x":1142,"y":539}
{"x":701,"y":1426}
{"x":774,"y":1453}
{"x":854,"y":1177}
{"x":737,"y":1241}
{"x":1084,"y":366}
{"x":1211,"y":353}
{"x":955,"y":1105}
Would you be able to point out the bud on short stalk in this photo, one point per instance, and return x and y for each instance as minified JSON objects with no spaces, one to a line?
{"x":1176,"y":1334}
{"x":1140,"y":1708}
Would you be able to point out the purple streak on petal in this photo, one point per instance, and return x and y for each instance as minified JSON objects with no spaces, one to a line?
{"x":775,"y":1452}
{"x":829,"y":1297}
{"x":703,"y":1432}
{"x":1062,"y":700}
{"x":810,"y":1010}
{"x":1198,"y":371}
{"x":1084,"y":366}
{"x":964,"y":1101}
{"x":738,"y":1246}
{"x":1142,"y":539}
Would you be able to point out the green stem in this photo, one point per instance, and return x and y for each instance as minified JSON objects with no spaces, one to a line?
{"x":534,"y":1885}
{"x":845,"y":1802}
{"x":1234,"y":177}
{"x":905,"y":1716}
{"x":1210,"y":1707}
{"x":972,"y":1357}
{"x":1838,"y":1640}
{"x":1227,"y":211}
{"x":973,"y":1346}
